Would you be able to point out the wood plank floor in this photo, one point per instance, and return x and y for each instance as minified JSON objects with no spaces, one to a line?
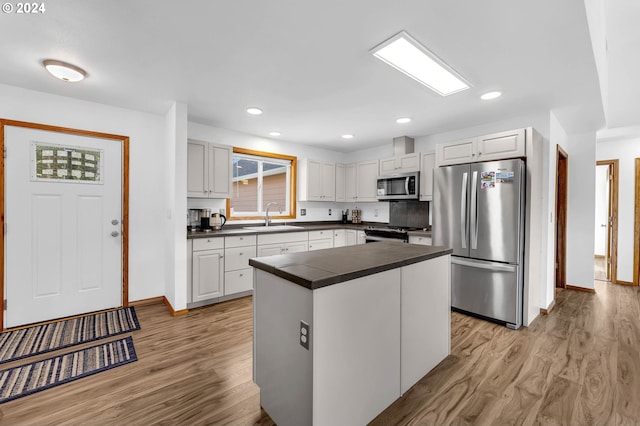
{"x":578,"y":366}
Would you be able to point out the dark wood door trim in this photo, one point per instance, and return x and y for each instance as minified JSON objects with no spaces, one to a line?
{"x":636,"y":231}
{"x":560,"y":252}
{"x":125,"y":195}
{"x":612,"y":231}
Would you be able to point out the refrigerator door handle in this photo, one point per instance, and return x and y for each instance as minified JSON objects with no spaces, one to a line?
{"x":463,"y":211}
{"x":491,"y":266}
{"x":474,"y":211}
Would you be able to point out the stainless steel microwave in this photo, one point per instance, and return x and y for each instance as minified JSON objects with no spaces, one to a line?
{"x":399,"y":186}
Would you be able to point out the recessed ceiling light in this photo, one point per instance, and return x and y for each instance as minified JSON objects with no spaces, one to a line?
{"x":254,"y":111}
{"x":490,"y":95}
{"x":403,"y":120}
{"x":274,"y":133}
{"x":347,"y":136}
{"x":64,"y":71}
{"x":407,"y":55}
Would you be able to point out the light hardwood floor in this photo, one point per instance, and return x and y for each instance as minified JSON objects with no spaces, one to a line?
{"x":578,"y":366}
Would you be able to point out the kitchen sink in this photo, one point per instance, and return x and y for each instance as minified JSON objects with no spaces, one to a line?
{"x":272,"y":228}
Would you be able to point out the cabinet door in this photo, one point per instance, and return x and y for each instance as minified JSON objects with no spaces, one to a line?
{"x":321,"y":244}
{"x":426,"y":176}
{"x":220,"y":159}
{"x":296,"y":247}
{"x":351,"y":237}
{"x":351,"y":180}
{"x":314,"y":180}
{"x":456,"y":152}
{"x":501,"y":145}
{"x":197,"y":177}
{"x":341,"y":181}
{"x":339,"y":238}
{"x":408,"y":163}
{"x":328,"y":182}
{"x":361,"y":237}
{"x":208,"y":274}
{"x":387,"y":166}
{"x":367,"y":181}
{"x":270,"y":249}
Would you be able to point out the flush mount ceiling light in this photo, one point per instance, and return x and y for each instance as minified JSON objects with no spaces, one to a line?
{"x":64,"y":71}
{"x":407,"y":55}
{"x":254,"y":111}
{"x":403,"y":120}
{"x":274,"y":133}
{"x":347,"y":136}
{"x":490,"y":95}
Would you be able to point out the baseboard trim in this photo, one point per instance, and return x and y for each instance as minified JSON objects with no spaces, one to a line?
{"x":624,"y":282}
{"x":586,"y":290}
{"x":546,"y":311}
{"x":144,"y":302}
{"x":172,"y":311}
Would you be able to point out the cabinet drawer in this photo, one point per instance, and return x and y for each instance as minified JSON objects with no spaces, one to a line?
{"x":321,"y":244}
{"x":425,"y":241}
{"x":320,"y":235}
{"x":240,"y":241}
{"x":285,"y":237}
{"x":208,"y":244}
{"x":238,"y":257}
{"x":238,"y":281}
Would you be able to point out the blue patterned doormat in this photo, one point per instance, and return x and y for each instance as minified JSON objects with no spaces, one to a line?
{"x":39,"y":339}
{"x":40,"y":375}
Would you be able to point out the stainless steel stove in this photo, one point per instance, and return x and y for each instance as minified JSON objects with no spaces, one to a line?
{"x":404,"y":216}
{"x":373,"y":235}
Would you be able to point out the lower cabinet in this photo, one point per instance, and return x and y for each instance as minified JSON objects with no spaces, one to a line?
{"x":238,"y":276}
{"x":207,"y":269}
{"x":289,"y":242}
{"x":416,"y":239}
{"x":353,"y":237}
{"x":319,"y":240}
{"x":339,"y":238}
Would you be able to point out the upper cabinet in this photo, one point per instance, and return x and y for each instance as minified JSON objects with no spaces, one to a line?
{"x":497,"y":146}
{"x":208,"y":170}
{"x":428,"y":163}
{"x":341,"y":182}
{"x":406,"y":163}
{"x":317,"y":181}
{"x":361,"y":181}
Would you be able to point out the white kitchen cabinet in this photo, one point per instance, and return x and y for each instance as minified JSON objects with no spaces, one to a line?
{"x":422,"y":240}
{"x":207,"y":274}
{"x":317,"y":181}
{"x":339,"y":238}
{"x":428,"y":163}
{"x":238,"y":276}
{"x":406,"y":163}
{"x":496,"y":146}
{"x":281,"y":243}
{"x":341,"y":182}
{"x":362,"y":181}
{"x":208,"y":170}
{"x":353,"y":237}
{"x":319,"y":240}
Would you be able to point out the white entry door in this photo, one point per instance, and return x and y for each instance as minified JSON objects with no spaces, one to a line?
{"x":63,"y":211}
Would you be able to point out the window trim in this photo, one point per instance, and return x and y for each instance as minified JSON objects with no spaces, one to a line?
{"x":293,"y":192}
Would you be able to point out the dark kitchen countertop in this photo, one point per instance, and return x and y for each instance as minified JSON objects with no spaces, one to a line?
{"x":321,"y":268}
{"x":231,"y":230}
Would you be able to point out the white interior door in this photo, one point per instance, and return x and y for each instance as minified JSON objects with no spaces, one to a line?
{"x":63,"y":248}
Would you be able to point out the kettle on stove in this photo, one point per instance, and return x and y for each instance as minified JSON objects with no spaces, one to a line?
{"x":218,"y":220}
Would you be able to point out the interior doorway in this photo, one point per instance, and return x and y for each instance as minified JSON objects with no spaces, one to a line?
{"x":562,"y":174}
{"x":606,"y":224}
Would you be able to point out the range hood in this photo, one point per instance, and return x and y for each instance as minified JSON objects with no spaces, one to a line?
{"x":402,"y":145}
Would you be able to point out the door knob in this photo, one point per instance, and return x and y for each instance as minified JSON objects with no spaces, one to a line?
{"x":115,"y":222}
{"x":115,"y":233}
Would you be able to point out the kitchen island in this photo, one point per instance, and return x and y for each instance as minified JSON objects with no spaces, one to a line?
{"x":340,"y":334}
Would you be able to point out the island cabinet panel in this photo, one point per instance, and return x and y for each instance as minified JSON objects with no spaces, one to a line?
{"x":356,"y":348}
{"x":426,"y":318}
{"x":282,"y":368}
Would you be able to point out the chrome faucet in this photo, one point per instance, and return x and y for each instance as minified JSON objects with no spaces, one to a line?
{"x":267,"y":221}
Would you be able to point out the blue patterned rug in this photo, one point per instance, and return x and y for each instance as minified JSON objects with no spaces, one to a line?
{"x":40,"y":375}
{"x":39,"y":339}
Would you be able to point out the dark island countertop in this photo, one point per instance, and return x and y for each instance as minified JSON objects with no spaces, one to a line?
{"x":321,"y":268}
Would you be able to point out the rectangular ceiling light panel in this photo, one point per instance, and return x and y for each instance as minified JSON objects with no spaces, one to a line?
{"x":407,"y":55}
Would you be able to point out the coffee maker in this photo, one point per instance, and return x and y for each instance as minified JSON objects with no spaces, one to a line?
{"x":205,"y":219}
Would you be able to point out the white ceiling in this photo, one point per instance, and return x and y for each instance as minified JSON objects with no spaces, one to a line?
{"x":307,"y":64}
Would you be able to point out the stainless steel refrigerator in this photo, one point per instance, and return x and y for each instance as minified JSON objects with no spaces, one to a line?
{"x":479,"y":212}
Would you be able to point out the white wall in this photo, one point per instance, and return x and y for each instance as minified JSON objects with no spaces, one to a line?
{"x":581,"y":209}
{"x":602,"y":210}
{"x":626,"y":149}
{"x":146,"y":206}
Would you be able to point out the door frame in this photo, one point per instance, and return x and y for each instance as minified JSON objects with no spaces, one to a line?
{"x":125,"y":195}
{"x":612,"y":226}
{"x":560,"y":229}
{"x":636,"y":228}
